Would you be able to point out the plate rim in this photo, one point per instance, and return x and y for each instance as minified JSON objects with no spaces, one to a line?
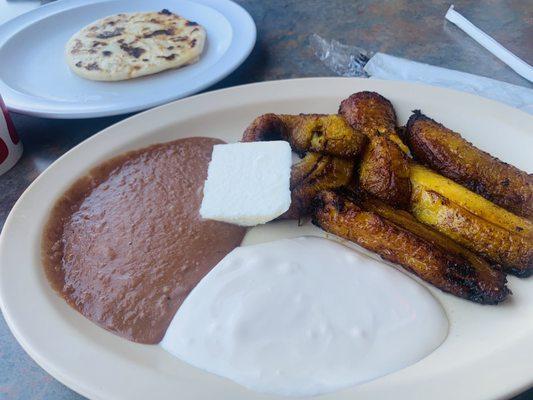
{"x":49,"y":366}
{"x":245,"y":30}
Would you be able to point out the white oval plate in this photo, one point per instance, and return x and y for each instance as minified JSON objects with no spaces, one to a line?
{"x":35,"y":79}
{"x":487,"y":354}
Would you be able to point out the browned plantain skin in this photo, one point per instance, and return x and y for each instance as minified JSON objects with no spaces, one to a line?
{"x":384,"y":172}
{"x":446,"y":270}
{"x":326,"y":134}
{"x":509,"y":249}
{"x":314,"y":173}
{"x":265,"y":128}
{"x":369,"y":112}
{"x":448,"y":153}
{"x":409,"y":222}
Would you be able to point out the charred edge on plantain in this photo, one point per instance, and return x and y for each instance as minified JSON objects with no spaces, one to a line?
{"x":464,"y":275}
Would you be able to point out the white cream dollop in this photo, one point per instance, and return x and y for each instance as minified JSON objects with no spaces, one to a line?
{"x":305,"y":316}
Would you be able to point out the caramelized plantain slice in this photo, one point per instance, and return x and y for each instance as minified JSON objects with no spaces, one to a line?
{"x":446,"y":270}
{"x":312,"y":162}
{"x":407,"y":221}
{"x":471,"y":201}
{"x":326,"y":134}
{"x":448,"y":153}
{"x":384,"y":172}
{"x":265,"y":128}
{"x":372,"y":114}
{"x":514,"y":252}
{"x":315,"y":172}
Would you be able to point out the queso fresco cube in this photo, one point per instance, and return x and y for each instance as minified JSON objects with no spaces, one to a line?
{"x":248,"y":183}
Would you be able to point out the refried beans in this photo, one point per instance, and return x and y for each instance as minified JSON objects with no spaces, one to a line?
{"x":125,"y":244}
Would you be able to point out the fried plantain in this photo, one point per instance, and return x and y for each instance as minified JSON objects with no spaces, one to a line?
{"x":310,"y":163}
{"x":407,"y":221}
{"x":471,"y":201}
{"x":314,"y":173}
{"x":384,"y":172}
{"x":266,"y":127}
{"x":446,"y":270}
{"x":372,"y":114}
{"x":326,"y":134}
{"x":514,"y":252}
{"x":448,"y":153}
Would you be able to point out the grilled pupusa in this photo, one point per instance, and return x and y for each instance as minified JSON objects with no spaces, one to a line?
{"x":129,"y":45}
{"x":410,"y":245}
{"x":448,"y":153}
{"x":384,"y":170}
{"x":326,"y":134}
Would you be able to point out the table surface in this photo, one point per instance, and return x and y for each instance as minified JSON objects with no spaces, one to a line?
{"x":411,"y":29}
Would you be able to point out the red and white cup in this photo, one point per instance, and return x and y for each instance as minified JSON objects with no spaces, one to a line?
{"x":10,"y":144}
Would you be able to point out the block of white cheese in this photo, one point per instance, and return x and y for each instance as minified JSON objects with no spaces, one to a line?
{"x":248,"y":183}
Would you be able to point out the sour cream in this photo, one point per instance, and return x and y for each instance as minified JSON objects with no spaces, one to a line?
{"x":304,"y":316}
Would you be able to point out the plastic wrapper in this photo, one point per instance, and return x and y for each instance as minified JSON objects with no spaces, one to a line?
{"x":342,"y":59}
{"x":347,"y":60}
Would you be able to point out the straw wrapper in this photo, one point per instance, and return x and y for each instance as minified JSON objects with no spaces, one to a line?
{"x":518,"y":65}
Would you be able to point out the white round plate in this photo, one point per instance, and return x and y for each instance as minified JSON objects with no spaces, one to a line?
{"x":487,"y":354}
{"x":35,"y":79}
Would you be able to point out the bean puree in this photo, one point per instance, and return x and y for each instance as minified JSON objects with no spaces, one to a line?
{"x":126,"y":244}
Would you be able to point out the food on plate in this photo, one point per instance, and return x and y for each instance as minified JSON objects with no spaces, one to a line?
{"x":406,"y":220}
{"x":471,"y":201}
{"x":448,"y":153}
{"x":449,"y":271}
{"x":305,"y":166}
{"x":316,"y":172}
{"x":304,"y":316}
{"x":514,"y":252}
{"x":125,"y":244}
{"x":462,"y":225}
{"x":372,"y":114}
{"x":384,"y":172}
{"x":248,"y":183}
{"x":126,"y":46}
{"x":329,"y":147}
{"x":326,"y":134}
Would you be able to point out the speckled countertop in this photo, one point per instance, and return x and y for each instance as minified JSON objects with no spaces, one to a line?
{"x":411,"y":29}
